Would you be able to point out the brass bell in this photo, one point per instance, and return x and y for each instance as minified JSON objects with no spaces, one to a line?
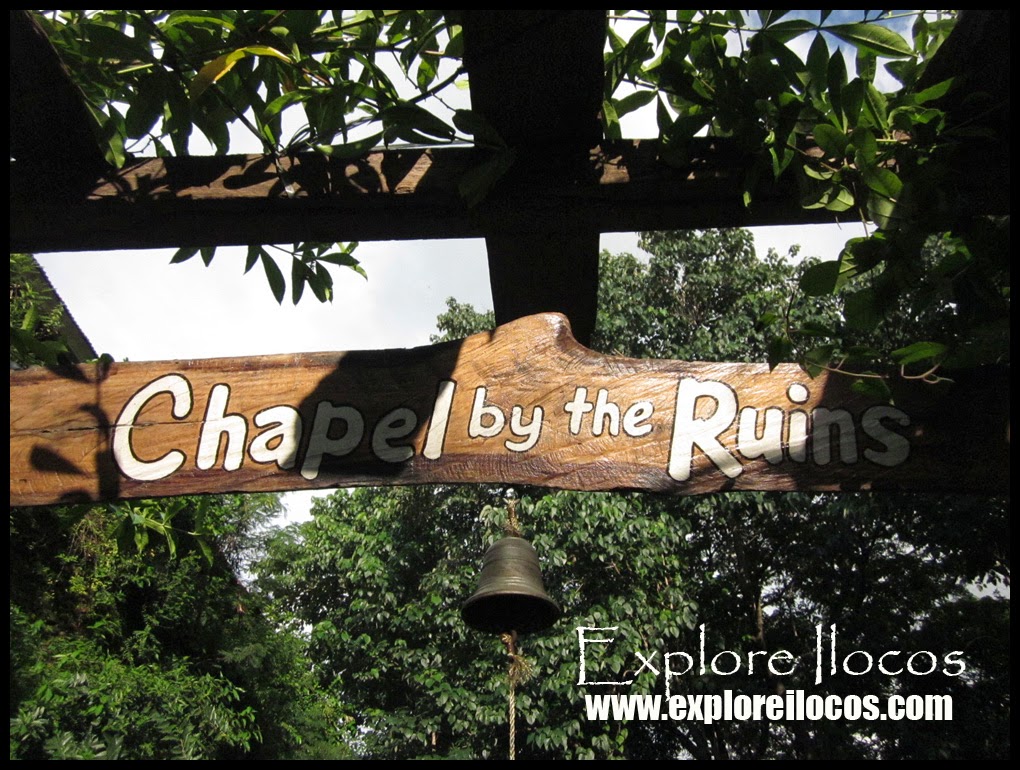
{"x":510,"y":595}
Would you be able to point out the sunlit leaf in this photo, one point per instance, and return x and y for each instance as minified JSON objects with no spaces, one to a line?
{"x":872,"y":37}
{"x":221,"y":65}
{"x":610,"y":120}
{"x":834,"y":197}
{"x":786,"y":31}
{"x":882,"y":181}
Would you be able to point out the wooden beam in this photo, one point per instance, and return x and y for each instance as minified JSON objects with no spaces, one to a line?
{"x":388,"y":195}
{"x":523,"y":404}
{"x":549,"y":272}
{"x":537,"y":78}
{"x":51,"y":129}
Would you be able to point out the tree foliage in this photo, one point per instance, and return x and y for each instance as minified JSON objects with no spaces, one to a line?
{"x":140,"y":653}
{"x":379,"y":576}
{"x":132,"y":635}
{"x":836,"y":99}
{"x":156,"y":80}
{"x":35,"y":315}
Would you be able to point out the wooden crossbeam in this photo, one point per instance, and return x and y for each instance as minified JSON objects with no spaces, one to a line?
{"x":534,"y":101}
{"x":387,"y":195}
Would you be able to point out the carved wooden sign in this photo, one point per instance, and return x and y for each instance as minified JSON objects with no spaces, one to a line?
{"x":522,"y":404}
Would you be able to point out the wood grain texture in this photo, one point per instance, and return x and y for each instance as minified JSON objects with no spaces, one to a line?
{"x":516,"y":414}
{"x":395,"y":194}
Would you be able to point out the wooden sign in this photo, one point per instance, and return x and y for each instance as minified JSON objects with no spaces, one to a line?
{"x":522,"y":404}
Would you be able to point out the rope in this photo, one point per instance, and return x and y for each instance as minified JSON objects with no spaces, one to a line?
{"x":520,"y":671}
{"x":512,"y":708}
{"x":513,"y":526}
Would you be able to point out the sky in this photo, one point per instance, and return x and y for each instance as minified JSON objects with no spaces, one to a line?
{"x":135,"y":306}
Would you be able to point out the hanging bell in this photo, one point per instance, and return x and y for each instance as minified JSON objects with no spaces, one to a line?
{"x":510,"y":595}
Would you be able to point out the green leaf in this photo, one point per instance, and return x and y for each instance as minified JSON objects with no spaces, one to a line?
{"x":770,"y":16}
{"x":882,"y":211}
{"x":298,"y":275}
{"x":207,"y":252}
{"x":836,"y":78}
{"x":221,"y":65}
{"x":147,"y":106}
{"x":867,"y":148}
{"x":280,"y":103}
{"x":785,"y":31}
{"x":476,"y":125}
{"x":780,"y":350}
{"x":820,"y":279}
{"x":817,"y":359}
{"x":818,"y":62}
{"x":867,"y":65}
{"x":322,"y":286}
{"x":344,"y":259}
{"x":919,"y":351}
{"x":411,"y":116}
{"x":821,"y":174}
{"x":833,"y":141}
{"x":872,"y":37}
{"x":182,"y":255}
{"x":112,"y":133}
{"x":875,"y":106}
{"x":455,"y":47}
{"x":633,"y":101}
{"x":882,"y":181}
{"x":852,"y":101}
{"x":275,"y":277}
{"x":861,"y":311}
{"x":356,"y":149}
{"x":936,"y":91}
{"x":610,"y":120}
{"x":254,"y":252}
{"x":834,"y":197}
{"x":198,"y":17}
{"x":427,"y":71}
{"x":205,"y":548}
{"x":873,"y":388}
